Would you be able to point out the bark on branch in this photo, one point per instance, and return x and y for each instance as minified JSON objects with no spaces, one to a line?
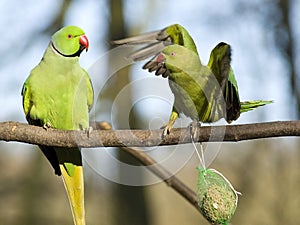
{"x":14,"y":131}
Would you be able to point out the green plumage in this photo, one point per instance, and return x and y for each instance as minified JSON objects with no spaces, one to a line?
{"x":204,"y":93}
{"x":58,"y":93}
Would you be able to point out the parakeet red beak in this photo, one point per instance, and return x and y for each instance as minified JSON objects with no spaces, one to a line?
{"x":160,"y":66}
{"x":160,"y":58}
{"x":84,"y":42}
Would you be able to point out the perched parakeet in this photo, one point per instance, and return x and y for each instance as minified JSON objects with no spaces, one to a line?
{"x":203,"y":93}
{"x":58,"y":93}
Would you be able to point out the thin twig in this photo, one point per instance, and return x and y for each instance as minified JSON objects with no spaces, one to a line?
{"x":170,"y":179}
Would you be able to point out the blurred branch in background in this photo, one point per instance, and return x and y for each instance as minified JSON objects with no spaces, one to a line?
{"x":286,"y":43}
{"x":170,"y":179}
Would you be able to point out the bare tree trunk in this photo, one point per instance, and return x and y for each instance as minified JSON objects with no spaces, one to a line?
{"x":131,"y":207}
{"x":286,"y":43}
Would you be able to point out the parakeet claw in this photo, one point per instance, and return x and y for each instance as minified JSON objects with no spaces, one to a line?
{"x":167,"y":130}
{"x":88,"y":131}
{"x":169,"y":126}
{"x":194,"y":130}
{"x":46,"y":126}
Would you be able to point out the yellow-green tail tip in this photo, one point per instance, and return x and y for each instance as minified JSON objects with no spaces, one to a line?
{"x":250,"y":105}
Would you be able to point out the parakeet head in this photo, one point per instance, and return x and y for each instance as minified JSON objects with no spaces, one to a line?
{"x":178,"y":58}
{"x":69,"y":41}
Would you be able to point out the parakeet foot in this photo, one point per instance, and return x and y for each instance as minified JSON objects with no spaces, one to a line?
{"x":166,"y":129}
{"x":46,"y":126}
{"x":88,"y":131}
{"x":169,"y":126}
{"x":194,"y":130}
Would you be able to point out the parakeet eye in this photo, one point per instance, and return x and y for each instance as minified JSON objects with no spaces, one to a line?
{"x":70,"y":36}
{"x":172,"y":54}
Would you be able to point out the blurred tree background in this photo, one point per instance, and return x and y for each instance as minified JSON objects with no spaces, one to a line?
{"x":264,"y":37}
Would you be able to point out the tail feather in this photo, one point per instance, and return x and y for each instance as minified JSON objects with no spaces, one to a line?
{"x":250,"y":105}
{"x":74,"y":186}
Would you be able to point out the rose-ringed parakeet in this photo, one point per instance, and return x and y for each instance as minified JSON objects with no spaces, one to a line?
{"x":203,"y":93}
{"x":58,"y":93}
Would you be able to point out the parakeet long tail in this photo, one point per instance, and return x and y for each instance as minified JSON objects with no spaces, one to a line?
{"x":74,"y":186}
{"x":250,"y":105}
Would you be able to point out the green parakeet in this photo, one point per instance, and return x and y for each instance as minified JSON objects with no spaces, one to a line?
{"x":58,"y":93}
{"x":203,"y":93}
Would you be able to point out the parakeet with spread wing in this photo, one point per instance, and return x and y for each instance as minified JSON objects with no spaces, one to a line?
{"x":203,"y":93}
{"x":58,"y":94}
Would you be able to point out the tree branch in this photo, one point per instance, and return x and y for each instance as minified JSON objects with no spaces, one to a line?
{"x":170,"y":179}
{"x":14,"y":131}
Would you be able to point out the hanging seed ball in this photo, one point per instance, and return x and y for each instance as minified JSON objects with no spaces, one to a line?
{"x":217,"y":199}
{"x":218,"y":204}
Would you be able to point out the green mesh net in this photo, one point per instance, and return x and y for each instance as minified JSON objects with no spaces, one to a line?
{"x":217,"y":198}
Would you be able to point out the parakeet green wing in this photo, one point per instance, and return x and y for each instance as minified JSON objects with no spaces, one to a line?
{"x":155,"y":41}
{"x":58,"y":93}
{"x":219,"y":63}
